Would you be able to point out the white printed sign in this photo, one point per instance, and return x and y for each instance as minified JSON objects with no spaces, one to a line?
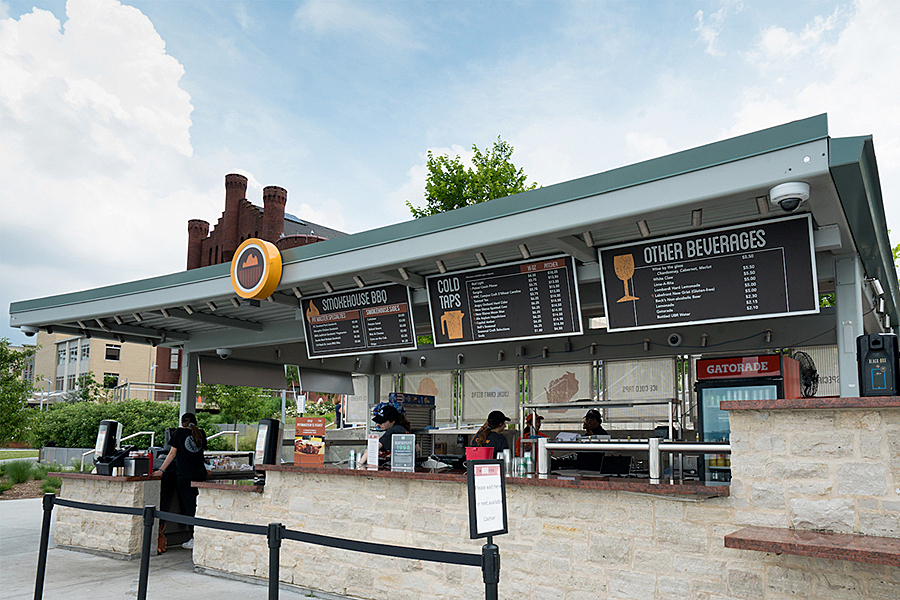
{"x":487,"y":499}
{"x":372,"y":452}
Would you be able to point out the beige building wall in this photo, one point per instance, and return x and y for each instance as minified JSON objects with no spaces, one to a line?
{"x":62,"y":359}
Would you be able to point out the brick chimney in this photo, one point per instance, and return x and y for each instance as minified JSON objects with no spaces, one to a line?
{"x":274,"y":199}
{"x":197,"y":232}
{"x":235,"y":191}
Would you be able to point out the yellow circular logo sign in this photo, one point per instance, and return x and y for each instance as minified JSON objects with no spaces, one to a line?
{"x":256,"y":269}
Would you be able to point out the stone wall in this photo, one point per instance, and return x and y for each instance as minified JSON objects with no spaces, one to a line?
{"x":836,"y":470}
{"x":105,"y":533}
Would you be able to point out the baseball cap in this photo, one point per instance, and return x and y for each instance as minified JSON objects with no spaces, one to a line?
{"x":593,"y":414}
{"x":496,"y":417}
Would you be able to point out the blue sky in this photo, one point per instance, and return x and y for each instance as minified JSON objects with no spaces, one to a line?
{"x":119,"y":120}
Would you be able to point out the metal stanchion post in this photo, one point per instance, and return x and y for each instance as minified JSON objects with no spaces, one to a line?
{"x":274,"y":536}
{"x":490,"y":568}
{"x":45,"y":542}
{"x":149,"y":517}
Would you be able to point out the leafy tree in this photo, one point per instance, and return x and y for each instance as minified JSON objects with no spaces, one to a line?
{"x":450,"y":184}
{"x":14,"y":391}
{"x":88,"y":389}
{"x":240,"y":404}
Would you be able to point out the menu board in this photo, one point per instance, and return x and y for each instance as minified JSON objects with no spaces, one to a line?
{"x":365,"y":320}
{"x":763,"y":269}
{"x":522,"y":300}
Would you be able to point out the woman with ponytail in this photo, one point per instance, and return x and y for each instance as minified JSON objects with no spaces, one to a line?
{"x":188,"y":445}
{"x":491,"y":434}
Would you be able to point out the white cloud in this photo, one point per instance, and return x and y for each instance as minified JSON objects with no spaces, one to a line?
{"x":357,"y":21}
{"x":710,"y":27}
{"x":779,"y":45}
{"x":95,"y":151}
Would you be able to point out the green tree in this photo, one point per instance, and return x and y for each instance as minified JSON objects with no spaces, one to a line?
{"x":14,"y":391}
{"x":450,"y":184}
{"x":239,"y":404}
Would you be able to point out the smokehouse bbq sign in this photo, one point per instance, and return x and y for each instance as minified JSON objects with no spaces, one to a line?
{"x":764,"y":269}
{"x":366,"y":320}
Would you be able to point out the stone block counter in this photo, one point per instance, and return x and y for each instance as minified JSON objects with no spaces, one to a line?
{"x":108,"y":534}
{"x":828,"y":467}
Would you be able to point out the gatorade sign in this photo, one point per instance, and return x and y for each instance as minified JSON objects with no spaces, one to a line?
{"x":256,"y":269}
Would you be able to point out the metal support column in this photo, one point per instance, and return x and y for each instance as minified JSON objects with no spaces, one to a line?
{"x":189,"y":372}
{"x":848,"y":281}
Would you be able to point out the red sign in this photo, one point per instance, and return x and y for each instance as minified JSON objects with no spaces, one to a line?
{"x":740,"y":367}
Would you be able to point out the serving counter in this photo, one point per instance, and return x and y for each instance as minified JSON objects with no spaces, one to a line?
{"x":823,"y":467}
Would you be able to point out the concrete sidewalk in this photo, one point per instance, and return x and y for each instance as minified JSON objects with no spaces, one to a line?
{"x":79,"y":576}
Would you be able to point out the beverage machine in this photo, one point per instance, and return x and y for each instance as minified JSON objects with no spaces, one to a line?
{"x":268,"y":446}
{"x":757,"y":377}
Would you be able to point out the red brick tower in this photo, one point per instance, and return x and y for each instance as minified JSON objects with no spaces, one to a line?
{"x":274,"y":199}
{"x":235,"y":191}
{"x":197,"y":232}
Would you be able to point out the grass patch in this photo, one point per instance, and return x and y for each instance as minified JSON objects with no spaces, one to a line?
{"x":10,"y":454}
{"x":19,"y":471}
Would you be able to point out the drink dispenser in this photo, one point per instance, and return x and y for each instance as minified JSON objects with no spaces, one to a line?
{"x":107,"y":454}
{"x":268,"y":446}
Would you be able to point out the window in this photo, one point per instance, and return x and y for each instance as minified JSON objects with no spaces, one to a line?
{"x":113,"y":351}
{"x":173,"y":359}
{"x":28,"y":373}
{"x":70,"y":383}
{"x":61,"y":355}
{"x":85,"y":350}
{"x":110,"y":380}
{"x":59,"y":384}
{"x":73,"y":353}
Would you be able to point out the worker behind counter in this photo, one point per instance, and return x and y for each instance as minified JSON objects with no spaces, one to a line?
{"x":491,"y":435}
{"x":531,"y":433}
{"x":391,"y":421}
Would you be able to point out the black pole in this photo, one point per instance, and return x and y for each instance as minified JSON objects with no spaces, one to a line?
{"x":490,"y":568}
{"x":45,"y":542}
{"x":149,"y":517}
{"x":274,"y":536}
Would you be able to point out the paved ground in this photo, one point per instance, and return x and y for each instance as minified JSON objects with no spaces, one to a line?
{"x":79,"y":576}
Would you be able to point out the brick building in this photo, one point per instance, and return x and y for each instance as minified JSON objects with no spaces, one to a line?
{"x":240,"y":221}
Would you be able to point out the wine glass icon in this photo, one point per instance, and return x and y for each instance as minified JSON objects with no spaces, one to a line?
{"x":624,"y":266}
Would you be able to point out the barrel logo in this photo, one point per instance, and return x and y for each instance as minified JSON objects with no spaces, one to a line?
{"x":256,"y":269}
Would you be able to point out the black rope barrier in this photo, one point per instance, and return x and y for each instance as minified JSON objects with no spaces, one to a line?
{"x":441,"y":556}
{"x":121,"y":510}
{"x":274,"y":532}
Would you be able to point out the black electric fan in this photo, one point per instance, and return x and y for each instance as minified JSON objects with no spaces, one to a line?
{"x":809,"y":376}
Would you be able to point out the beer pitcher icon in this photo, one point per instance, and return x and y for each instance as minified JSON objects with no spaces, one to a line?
{"x":451,"y":324}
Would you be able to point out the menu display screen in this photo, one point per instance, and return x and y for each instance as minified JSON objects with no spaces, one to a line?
{"x":522,"y":300}
{"x":364,"y":320}
{"x":763,"y":269}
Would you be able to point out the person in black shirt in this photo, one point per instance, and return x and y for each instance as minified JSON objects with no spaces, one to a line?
{"x":391,"y":421}
{"x":490,"y":433}
{"x":188,"y":444}
{"x":593,"y":423}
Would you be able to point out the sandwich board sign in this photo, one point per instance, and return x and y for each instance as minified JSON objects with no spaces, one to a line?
{"x":487,"y":498}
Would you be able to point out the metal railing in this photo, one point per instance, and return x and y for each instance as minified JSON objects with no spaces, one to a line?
{"x":236,"y":434}
{"x":653,"y":446}
{"x":488,"y":560}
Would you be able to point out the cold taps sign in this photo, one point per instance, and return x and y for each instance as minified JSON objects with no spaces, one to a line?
{"x":364,"y":320}
{"x":764,"y":269}
{"x":523,"y":300}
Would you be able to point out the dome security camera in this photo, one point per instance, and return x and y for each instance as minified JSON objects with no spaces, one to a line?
{"x":28,"y":330}
{"x":223,"y":352}
{"x":789,"y":195}
{"x":675,"y":339}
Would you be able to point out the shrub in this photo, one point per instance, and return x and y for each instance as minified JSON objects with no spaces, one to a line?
{"x":19,"y":471}
{"x":51,"y":485}
{"x":5,"y":485}
{"x":74,"y":425}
